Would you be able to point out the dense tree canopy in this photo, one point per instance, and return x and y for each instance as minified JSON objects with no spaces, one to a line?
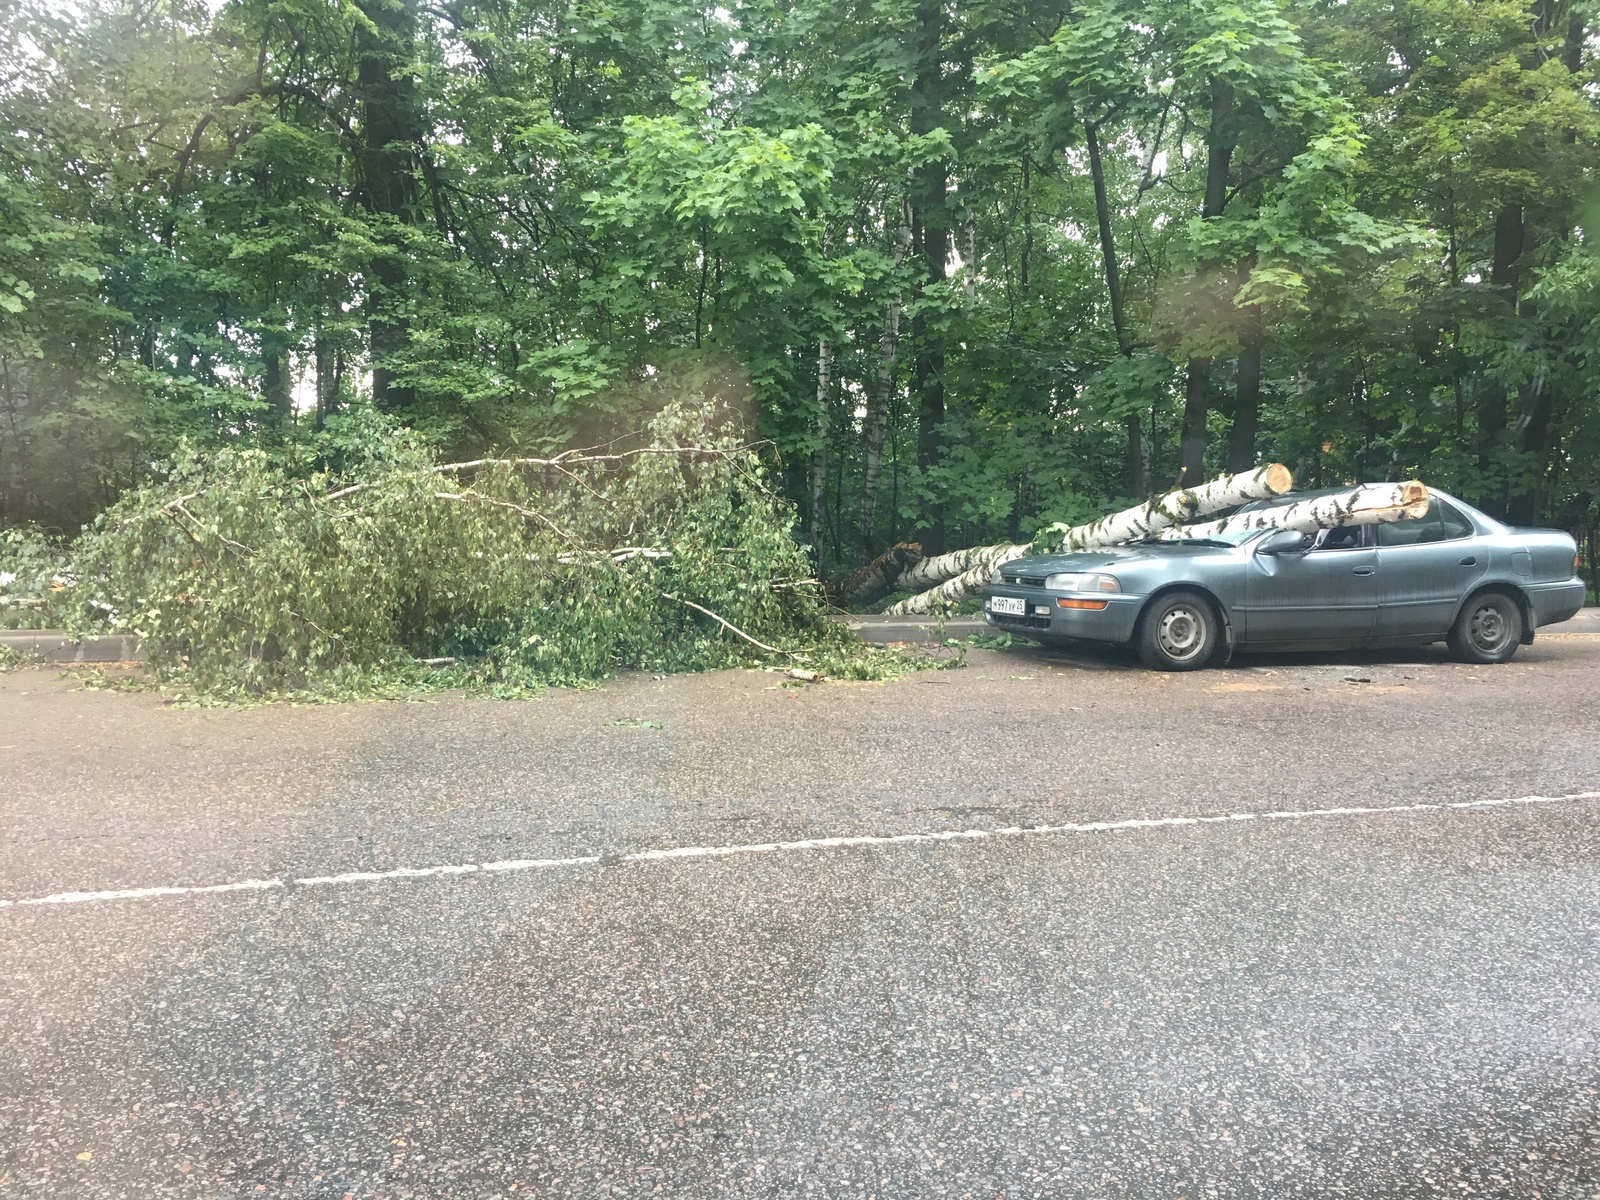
{"x":977,"y":266}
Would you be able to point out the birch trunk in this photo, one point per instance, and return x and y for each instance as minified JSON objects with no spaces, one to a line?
{"x":967,"y":572}
{"x":1369,"y":504}
{"x":819,"y":456}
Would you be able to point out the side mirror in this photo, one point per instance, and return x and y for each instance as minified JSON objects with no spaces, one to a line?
{"x":1285,"y":541}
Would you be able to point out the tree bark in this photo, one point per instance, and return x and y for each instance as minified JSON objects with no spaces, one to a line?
{"x":877,"y":579}
{"x":930,"y":187}
{"x":882,"y":393}
{"x":275,"y":379}
{"x":386,"y":149}
{"x":971,"y":570}
{"x":819,"y":455}
{"x":1368,"y":504}
{"x":1246,"y":405}
{"x":1197,"y":390}
{"x":1134,"y":459}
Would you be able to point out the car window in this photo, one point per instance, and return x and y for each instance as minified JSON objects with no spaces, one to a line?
{"x":1408,"y":532}
{"x":1345,"y":537}
{"x":1456,"y":524}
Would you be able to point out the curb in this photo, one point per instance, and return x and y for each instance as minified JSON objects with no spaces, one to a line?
{"x":51,"y":645}
{"x":880,"y":631}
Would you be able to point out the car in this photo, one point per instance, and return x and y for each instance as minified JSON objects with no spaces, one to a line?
{"x":1455,"y":575}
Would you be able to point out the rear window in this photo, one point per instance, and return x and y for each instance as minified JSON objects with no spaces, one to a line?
{"x":1441,"y":523}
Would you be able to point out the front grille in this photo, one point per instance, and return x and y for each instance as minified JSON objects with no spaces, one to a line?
{"x":1023,"y":622}
{"x":1024,"y":580}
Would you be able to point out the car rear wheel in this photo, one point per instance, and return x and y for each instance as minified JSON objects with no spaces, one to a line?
{"x":1488,"y":630}
{"x":1178,"y":632}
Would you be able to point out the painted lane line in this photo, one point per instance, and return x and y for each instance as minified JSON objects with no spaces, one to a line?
{"x":510,"y":864}
{"x":244,"y":885}
{"x":667,"y":854}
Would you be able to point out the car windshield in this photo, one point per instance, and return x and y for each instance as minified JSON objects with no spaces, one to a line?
{"x":1222,"y":537}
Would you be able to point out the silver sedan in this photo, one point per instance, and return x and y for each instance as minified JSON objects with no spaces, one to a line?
{"x":1454,"y":575}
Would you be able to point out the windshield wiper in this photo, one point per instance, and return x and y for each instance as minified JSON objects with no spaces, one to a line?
{"x":1203,"y":541}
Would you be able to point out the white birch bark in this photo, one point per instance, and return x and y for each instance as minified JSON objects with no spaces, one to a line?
{"x":1159,"y":513}
{"x":1369,"y":504}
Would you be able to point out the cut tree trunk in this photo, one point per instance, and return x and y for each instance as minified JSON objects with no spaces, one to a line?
{"x":1369,"y":504}
{"x":970,"y":571}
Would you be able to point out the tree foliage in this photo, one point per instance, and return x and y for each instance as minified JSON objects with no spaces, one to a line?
{"x":985,"y":267}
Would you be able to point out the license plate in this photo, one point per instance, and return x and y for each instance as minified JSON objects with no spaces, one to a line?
{"x":1009,"y":606}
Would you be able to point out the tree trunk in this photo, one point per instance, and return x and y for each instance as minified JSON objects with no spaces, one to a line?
{"x":1491,"y":406}
{"x":877,"y":579}
{"x":1366,"y":504}
{"x":1246,"y":405}
{"x":1134,"y":460}
{"x":930,"y":188}
{"x":330,"y":371}
{"x":1197,"y":390}
{"x":882,"y":392}
{"x":819,"y":455}
{"x":275,"y":379}
{"x":971,"y":570}
{"x":1196,"y":405}
{"x":386,"y":149}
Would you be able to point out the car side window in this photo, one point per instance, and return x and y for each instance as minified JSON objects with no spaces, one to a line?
{"x":1409,"y":532}
{"x":1455,"y":521}
{"x":1343,"y":537}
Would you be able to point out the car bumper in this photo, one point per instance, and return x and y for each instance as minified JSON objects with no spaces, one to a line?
{"x":1046,"y":619}
{"x":1553,"y":603}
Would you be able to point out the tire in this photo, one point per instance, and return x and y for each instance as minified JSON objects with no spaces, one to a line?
{"x":1180,"y":631}
{"x":1488,"y":629}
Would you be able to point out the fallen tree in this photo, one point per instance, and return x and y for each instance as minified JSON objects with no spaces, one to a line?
{"x":245,"y":579}
{"x":965,"y":573}
{"x":1368,"y":504}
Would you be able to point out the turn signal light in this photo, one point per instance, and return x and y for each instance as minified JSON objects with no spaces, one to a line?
{"x":1094,"y":605}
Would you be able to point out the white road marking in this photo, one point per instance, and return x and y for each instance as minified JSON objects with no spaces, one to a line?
{"x":826,"y":843}
{"x":244,"y":885}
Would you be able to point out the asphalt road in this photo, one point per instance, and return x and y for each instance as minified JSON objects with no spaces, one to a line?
{"x":1358,"y":1003}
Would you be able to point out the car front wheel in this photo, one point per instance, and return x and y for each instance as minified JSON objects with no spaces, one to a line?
{"x":1179,"y":632}
{"x":1489,"y":629}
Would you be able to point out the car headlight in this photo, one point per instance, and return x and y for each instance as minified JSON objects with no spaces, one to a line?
{"x":1082,"y":581}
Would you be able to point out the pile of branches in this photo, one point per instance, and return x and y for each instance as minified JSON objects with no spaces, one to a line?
{"x":945,"y":580}
{"x":35,"y":581}
{"x":243,"y":578}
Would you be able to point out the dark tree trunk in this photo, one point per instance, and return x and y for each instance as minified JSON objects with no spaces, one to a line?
{"x":1197,"y":391}
{"x":275,"y":379}
{"x":1134,"y":457}
{"x":819,"y":454}
{"x":329,"y":365}
{"x":878,"y":402}
{"x":1246,"y":406}
{"x":1505,"y":277}
{"x":930,"y":188}
{"x":386,"y":159}
{"x":1196,"y":404}
{"x":1532,"y":443}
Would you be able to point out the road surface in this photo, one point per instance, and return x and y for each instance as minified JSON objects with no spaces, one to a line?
{"x":1365,"y":980}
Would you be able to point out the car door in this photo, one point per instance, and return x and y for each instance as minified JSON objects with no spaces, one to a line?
{"x":1323,"y":596}
{"x":1425,"y":568}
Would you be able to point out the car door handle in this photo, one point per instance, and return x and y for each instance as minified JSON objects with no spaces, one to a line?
{"x":1470,"y":560}
{"x":1363,"y":571}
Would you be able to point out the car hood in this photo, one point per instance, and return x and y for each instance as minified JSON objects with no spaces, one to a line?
{"x":1111,"y":556}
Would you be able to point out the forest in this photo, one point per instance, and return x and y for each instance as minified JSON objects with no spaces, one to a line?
{"x":965,"y":267}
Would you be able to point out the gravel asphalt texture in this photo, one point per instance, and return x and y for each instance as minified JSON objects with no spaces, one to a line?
{"x":1354,"y":1006}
